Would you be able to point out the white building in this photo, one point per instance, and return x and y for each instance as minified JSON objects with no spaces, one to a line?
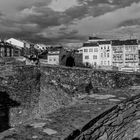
{"x":54,"y":55}
{"x":53,"y":59}
{"x":90,"y":51}
{"x":16,"y":42}
{"x":41,"y":47}
{"x":131,"y":58}
{"x":105,"y":53}
{"x":19,"y":43}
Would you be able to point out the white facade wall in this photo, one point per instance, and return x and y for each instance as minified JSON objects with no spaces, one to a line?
{"x":90,"y":55}
{"x":131,"y":57}
{"x":53,"y":59}
{"x":105,"y":55}
{"x":118,"y":53}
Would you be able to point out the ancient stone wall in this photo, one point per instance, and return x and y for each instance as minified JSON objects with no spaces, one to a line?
{"x":23,"y":85}
{"x":43,"y":90}
{"x":81,"y":80}
{"x":114,"y":124}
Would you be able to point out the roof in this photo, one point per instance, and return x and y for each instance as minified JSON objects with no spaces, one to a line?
{"x":104,"y":42}
{"x":53,"y":49}
{"x":125,"y":42}
{"x":94,"y":38}
{"x":131,"y":42}
{"x":117,"y":42}
{"x":90,"y":44}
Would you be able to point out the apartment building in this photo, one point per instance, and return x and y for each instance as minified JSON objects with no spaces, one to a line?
{"x":105,"y":53}
{"x":118,"y":53}
{"x":131,"y":53}
{"x":90,"y":51}
{"x":125,"y":54}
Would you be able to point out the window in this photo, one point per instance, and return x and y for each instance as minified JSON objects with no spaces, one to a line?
{"x":54,"y":59}
{"x":107,"y":54}
{"x":101,"y":55}
{"x":85,"y":50}
{"x":90,"y":50}
{"x":50,"y":59}
{"x":104,"y":62}
{"x":2,"y":52}
{"x":108,"y":63}
{"x":101,"y":62}
{"x":8,"y":52}
{"x":101,"y":48}
{"x":94,"y":56}
{"x":108,"y":48}
{"x":12,"y":52}
{"x":16,"y":52}
{"x":105,"y":47}
{"x":126,"y":48}
{"x":95,"y":49}
{"x":86,"y":57}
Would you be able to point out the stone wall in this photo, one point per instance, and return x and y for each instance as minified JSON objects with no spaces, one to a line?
{"x":43,"y":90}
{"x":81,"y":80}
{"x":113,"y":124}
{"x":23,"y":85}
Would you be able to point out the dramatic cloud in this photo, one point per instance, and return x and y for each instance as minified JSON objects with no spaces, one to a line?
{"x":130,"y":22}
{"x":65,"y":20}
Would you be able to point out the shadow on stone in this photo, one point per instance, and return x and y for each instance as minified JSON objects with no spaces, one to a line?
{"x":5,"y":104}
{"x":70,"y":62}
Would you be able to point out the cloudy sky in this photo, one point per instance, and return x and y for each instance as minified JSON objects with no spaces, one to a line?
{"x":50,"y":21}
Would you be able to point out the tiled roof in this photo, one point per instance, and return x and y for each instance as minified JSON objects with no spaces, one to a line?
{"x":90,"y":44}
{"x":131,"y":42}
{"x":104,"y":42}
{"x":124,"y":42}
{"x":117,"y":42}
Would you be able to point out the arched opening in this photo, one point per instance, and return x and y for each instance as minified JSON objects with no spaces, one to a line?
{"x":70,"y":62}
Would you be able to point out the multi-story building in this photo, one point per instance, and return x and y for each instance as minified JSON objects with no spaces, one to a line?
{"x":131,"y":53}
{"x":114,"y":53}
{"x":117,"y":53}
{"x":105,"y":53}
{"x":90,"y":51}
{"x":125,"y":54}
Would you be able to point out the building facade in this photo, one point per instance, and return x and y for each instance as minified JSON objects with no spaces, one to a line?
{"x":54,"y":55}
{"x":90,"y":51}
{"x":111,"y":53}
{"x":118,"y":53}
{"x":105,"y":53}
{"x":6,"y":50}
{"x":131,"y":53}
{"x":125,"y":54}
{"x":21,"y":45}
